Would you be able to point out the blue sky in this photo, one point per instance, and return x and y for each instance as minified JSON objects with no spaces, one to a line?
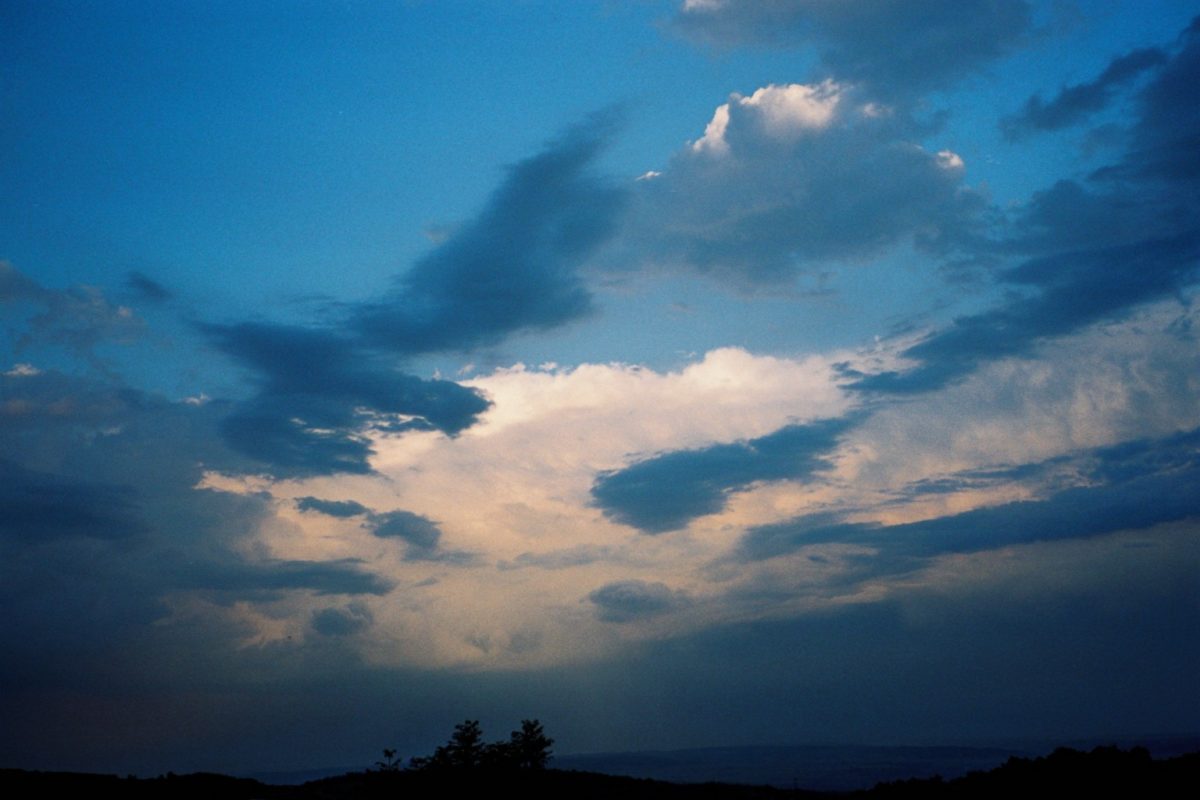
{"x":367,"y":367}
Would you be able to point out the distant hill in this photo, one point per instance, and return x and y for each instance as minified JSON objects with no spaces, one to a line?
{"x":1132,"y":773}
{"x":835,"y":767}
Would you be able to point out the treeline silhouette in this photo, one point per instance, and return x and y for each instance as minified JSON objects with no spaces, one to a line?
{"x":527,"y":748}
{"x":1104,"y":771}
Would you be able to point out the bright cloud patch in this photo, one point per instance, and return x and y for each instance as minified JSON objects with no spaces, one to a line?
{"x":814,"y":503}
{"x":783,"y":112}
{"x":783,"y":182}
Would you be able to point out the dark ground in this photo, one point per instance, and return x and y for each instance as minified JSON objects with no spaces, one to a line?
{"x":1104,"y":770}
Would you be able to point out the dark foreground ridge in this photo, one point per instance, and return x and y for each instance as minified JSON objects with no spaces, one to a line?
{"x":1129,"y":773}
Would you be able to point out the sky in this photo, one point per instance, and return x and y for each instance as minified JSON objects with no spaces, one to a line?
{"x":676,"y":373}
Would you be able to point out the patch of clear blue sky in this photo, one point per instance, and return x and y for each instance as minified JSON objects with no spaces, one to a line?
{"x":294,"y":148}
{"x":252,"y":156}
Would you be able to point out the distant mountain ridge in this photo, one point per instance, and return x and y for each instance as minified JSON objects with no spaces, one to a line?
{"x":839,"y":767}
{"x":1104,"y":770}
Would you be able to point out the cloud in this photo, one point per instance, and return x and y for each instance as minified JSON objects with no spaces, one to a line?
{"x":1164,"y":135}
{"x":148,"y":288}
{"x":568,"y":558}
{"x":1135,"y":485}
{"x":667,"y":491}
{"x":513,"y":268}
{"x":421,"y":534}
{"x":1073,"y":104}
{"x":77,"y":319}
{"x":783,"y":112}
{"x":37,"y":506}
{"x":105,"y":535}
{"x":797,"y":176}
{"x":626,"y":601}
{"x":1076,"y":289}
{"x":319,"y":395}
{"x":332,"y":508}
{"x":1095,"y":251}
{"x":250,"y":580}
{"x":897,"y":47}
{"x":352,"y":619}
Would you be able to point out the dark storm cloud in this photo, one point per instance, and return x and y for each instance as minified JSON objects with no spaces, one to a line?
{"x":86,"y":566}
{"x":36,"y":506}
{"x":1137,"y":485}
{"x":332,"y":508}
{"x":626,"y":601}
{"x":665,"y":492}
{"x":1073,"y":104}
{"x":898,"y":47}
{"x":308,"y":418}
{"x":514,"y":267}
{"x":79,"y":428}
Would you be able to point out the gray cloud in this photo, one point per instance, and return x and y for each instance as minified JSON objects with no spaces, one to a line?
{"x":1073,"y":104}
{"x":147,"y":287}
{"x":1164,"y":136}
{"x":38,"y":506}
{"x":355,"y":617}
{"x":514,"y":267}
{"x":666,"y":491}
{"x":308,"y":418}
{"x":1096,"y":251}
{"x":898,"y":47}
{"x":578,"y":556}
{"x":796,"y":177}
{"x":421,"y":535}
{"x":1136,"y":485}
{"x":420,"y":532}
{"x":86,"y":566}
{"x":77,"y":319}
{"x":1076,"y":289}
{"x":245,"y":580}
{"x":332,"y":508}
{"x":626,"y":601}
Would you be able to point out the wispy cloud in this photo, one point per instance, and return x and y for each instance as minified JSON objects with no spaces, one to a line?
{"x":897,"y":48}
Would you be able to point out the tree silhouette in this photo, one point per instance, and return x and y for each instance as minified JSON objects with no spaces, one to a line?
{"x":390,"y":762}
{"x":465,"y":748}
{"x":529,"y":748}
{"x":464,"y":751}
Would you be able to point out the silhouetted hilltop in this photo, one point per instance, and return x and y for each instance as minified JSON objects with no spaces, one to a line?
{"x":827,"y":768}
{"x":1107,"y":771}
{"x":1132,"y":773}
